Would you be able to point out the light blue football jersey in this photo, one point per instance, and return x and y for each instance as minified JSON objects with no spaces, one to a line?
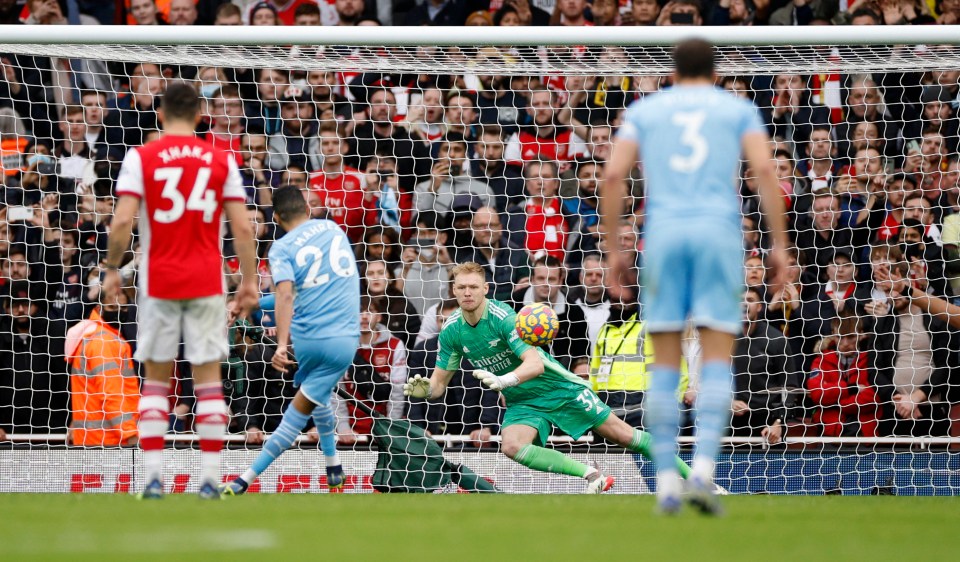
{"x":316,"y":256}
{"x":690,"y":146}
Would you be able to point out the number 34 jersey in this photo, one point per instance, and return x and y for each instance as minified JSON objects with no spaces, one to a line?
{"x":317,"y":258}
{"x":182,"y":183}
{"x":690,"y":144}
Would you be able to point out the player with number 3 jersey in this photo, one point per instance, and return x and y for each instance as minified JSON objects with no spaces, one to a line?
{"x":690,"y":138}
{"x":181,"y":186}
{"x":318,"y":310}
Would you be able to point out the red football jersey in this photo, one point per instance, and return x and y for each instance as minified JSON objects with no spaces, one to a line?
{"x":343,"y":198}
{"x":525,"y":145}
{"x":388,"y":357}
{"x":182,"y":183}
{"x":546,"y":228}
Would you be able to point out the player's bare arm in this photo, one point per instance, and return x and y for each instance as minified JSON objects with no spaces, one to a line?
{"x":245,"y":246}
{"x":121,"y":230}
{"x":284,"y":315}
{"x":756,"y":148}
{"x":613,"y":193}
{"x":438,"y":382}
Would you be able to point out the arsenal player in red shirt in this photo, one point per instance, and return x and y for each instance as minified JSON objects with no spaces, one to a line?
{"x":180,"y":186}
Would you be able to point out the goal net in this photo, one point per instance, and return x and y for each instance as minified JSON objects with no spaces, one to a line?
{"x":433,"y":147}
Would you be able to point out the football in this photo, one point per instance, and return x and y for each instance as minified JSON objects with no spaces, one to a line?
{"x":537,"y":324}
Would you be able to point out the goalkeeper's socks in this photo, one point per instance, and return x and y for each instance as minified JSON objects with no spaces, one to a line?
{"x":662,"y":415}
{"x":548,"y":460}
{"x":290,"y":427}
{"x":153,"y":423}
{"x":326,"y":422}
{"x":211,"y":425}
{"x":713,"y":410}
{"x":642,"y":443}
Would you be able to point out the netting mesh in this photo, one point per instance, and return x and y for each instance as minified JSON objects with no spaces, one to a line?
{"x":569,"y":59}
{"x":433,"y":156}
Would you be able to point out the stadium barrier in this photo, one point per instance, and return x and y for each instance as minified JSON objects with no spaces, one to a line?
{"x":825,"y":470}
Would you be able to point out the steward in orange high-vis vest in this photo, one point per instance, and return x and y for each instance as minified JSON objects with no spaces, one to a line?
{"x":104,"y":386}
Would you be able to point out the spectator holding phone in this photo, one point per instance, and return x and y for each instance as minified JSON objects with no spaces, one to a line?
{"x":912,"y":349}
{"x":680,"y":12}
{"x":450,"y":177}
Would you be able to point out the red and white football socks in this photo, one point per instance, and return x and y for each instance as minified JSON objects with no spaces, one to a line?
{"x":154,"y":420}
{"x":211,"y":425}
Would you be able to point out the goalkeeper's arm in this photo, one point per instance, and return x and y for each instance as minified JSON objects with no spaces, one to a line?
{"x":531,"y":368}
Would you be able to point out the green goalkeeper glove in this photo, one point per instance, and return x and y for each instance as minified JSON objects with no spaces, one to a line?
{"x":417,"y":387}
{"x":494,"y":382}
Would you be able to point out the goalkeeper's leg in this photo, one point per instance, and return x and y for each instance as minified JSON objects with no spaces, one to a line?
{"x":517,"y":443}
{"x":295,"y":418}
{"x":618,"y":431}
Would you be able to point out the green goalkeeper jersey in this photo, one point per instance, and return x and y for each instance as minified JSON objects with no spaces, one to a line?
{"x":493,"y":345}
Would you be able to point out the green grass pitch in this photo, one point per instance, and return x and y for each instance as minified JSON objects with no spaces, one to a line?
{"x":458,"y":527}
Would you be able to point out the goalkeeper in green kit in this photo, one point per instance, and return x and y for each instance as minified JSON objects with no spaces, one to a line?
{"x":538,"y":391}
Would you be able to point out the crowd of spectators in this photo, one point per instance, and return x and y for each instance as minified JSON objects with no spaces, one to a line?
{"x":427,"y":171}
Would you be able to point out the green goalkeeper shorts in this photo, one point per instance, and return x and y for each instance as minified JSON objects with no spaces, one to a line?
{"x":581,"y":413}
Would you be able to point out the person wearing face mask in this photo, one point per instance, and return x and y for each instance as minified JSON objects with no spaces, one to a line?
{"x":398,"y":315}
{"x":104,"y":386}
{"x":425,"y":277}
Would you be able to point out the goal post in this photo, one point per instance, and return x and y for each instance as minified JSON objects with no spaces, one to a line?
{"x":456,"y":144}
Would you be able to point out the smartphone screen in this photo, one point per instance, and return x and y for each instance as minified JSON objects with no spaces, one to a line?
{"x":19,"y":213}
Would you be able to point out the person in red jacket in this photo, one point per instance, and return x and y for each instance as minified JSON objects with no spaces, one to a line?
{"x":840,"y":384}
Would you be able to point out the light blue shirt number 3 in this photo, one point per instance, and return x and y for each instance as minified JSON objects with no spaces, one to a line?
{"x":691,"y":122}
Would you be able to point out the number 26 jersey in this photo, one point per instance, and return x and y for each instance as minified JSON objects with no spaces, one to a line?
{"x":317,"y":258}
{"x":182,"y":183}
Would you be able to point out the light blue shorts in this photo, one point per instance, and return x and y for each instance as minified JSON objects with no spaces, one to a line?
{"x":693,"y":271}
{"x":321,"y":364}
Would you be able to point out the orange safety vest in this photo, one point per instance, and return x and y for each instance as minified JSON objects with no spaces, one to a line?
{"x":12,"y":151}
{"x":104,"y":387}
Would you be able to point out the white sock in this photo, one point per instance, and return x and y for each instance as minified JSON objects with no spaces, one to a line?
{"x":153,"y":465}
{"x":152,"y":426}
{"x":668,"y":483}
{"x":249,"y":476}
{"x":703,"y":468}
{"x":332,"y":460}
